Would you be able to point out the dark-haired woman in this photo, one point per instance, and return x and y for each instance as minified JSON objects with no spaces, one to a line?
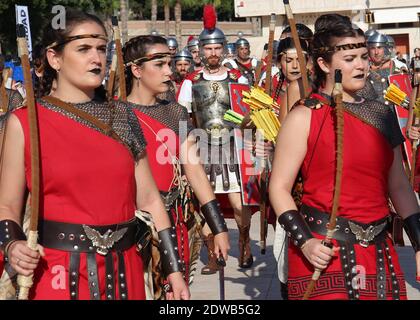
{"x":91,"y":182}
{"x":166,"y":126}
{"x":362,"y":264}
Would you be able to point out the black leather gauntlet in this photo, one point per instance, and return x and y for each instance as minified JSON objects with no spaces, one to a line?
{"x":214,"y":217}
{"x":412,"y":227}
{"x":168,"y":247}
{"x":296,"y":227}
{"x":10,"y":231}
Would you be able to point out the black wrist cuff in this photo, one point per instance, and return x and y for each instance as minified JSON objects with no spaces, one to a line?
{"x":412,"y":227}
{"x":168,"y":247}
{"x":10,"y":231}
{"x":214,"y":217}
{"x":296,"y":227}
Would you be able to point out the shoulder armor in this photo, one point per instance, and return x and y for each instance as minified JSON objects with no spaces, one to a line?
{"x":311,"y":103}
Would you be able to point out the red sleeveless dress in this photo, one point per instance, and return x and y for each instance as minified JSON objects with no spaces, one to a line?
{"x":163,"y":142}
{"x":87,"y":178}
{"x":367,"y":159}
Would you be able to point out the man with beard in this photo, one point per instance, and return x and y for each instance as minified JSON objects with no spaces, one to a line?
{"x":207,"y":91}
{"x":182,"y":64}
{"x":192,"y":46}
{"x":246,"y":64}
{"x":381,"y":65}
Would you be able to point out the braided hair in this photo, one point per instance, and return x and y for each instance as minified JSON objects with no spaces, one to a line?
{"x":328,"y":29}
{"x":51,"y":35}
{"x":136,"y":48}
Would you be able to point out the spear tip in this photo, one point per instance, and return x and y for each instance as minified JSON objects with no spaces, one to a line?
{"x":21,"y":33}
{"x":338,"y":76}
{"x":114,"y":21}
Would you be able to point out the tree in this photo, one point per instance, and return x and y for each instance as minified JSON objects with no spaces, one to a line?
{"x":154,"y":14}
{"x":178,"y":17}
{"x":166,"y":4}
{"x":40,"y":14}
{"x":124,"y":20}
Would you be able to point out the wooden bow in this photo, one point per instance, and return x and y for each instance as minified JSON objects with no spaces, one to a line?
{"x":117,"y":65}
{"x":339,"y":111}
{"x":25,"y":283}
{"x":296,"y":40}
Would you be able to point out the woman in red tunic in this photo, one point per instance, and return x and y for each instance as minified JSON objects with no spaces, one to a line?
{"x":363,"y":263}
{"x":166,"y":126}
{"x":91,"y":183}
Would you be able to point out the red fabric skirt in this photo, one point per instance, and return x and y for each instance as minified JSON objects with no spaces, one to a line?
{"x":331,"y":284}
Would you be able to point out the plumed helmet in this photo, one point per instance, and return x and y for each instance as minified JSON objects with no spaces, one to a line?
{"x":212,"y":37}
{"x":211,"y":34}
{"x":192,"y":42}
{"x":242,"y":42}
{"x":377,"y":40}
{"x":183,"y":55}
{"x":231,"y":48}
{"x":172,"y":43}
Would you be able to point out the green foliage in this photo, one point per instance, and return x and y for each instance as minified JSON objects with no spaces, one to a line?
{"x":39,"y":15}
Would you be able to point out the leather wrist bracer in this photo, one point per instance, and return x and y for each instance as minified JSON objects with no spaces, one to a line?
{"x":296,"y":227}
{"x":10,"y":231}
{"x":168,"y":247}
{"x":412,"y":227}
{"x":214,"y":217}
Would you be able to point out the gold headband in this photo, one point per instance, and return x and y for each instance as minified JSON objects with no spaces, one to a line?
{"x":149,"y":57}
{"x":72,"y":38}
{"x":348,"y":46}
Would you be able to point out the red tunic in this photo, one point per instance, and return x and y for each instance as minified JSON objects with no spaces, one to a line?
{"x":367,"y":159}
{"x":87,"y":178}
{"x":163,"y":171}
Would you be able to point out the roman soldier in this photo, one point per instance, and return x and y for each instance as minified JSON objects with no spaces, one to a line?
{"x":182,"y":64}
{"x":207,"y":92}
{"x":192,"y":46}
{"x":173,"y":46}
{"x":382,"y":66}
{"x":243,"y":62}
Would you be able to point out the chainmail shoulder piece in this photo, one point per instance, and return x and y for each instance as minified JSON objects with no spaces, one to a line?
{"x":368,"y":92}
{"x":15,"y":101}
{"x":170,"y":94}
{"x":379,"y":116}
{"x":171,"y":114}
{"x":373,"y":113}
{"x":116,"y":114}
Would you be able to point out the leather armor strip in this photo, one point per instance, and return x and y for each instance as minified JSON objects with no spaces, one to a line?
{"x":74,"y":275}
{"x":122,"y":284}
{"x":109,"y":275}
{"x":92,"y":269}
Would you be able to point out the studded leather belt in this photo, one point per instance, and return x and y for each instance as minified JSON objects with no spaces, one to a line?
{"x":346,"y":230}
{"x":106,"y":240}
{"x":348,"y":233}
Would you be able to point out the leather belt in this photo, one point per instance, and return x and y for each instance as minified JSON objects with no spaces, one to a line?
{"x":106,"y":240}
{"x":346,"y":230}
{"x":347,"y":235}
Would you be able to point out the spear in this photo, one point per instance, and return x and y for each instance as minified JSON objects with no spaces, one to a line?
{"x":268,"y":86}
{"x":339,"y":111}
{"x":117,"y":64}
{"x":25,"y":282}
{"x":295,"y":37}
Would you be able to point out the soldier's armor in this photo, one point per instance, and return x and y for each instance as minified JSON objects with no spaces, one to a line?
{"x":210,"y":102}
{"x":380,"y":83}
{"x":248,"y":73}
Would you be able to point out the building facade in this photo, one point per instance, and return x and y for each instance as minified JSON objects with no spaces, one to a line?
{"x":399,"y":19}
